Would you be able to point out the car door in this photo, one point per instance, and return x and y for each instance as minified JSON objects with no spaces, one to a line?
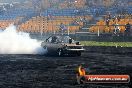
{"x":52,"y":47}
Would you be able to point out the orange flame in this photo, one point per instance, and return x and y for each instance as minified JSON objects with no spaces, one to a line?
{"x":81,"y":71}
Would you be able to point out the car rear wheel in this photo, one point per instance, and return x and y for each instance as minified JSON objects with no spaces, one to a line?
{"x":60,"y":52}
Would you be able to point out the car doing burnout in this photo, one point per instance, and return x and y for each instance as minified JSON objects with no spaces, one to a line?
{"x":62,"y":45}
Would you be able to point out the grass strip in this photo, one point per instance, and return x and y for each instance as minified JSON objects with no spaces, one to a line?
{"x":116,"y":44}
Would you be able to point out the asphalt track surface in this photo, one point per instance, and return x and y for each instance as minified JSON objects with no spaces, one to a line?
{"x":38,"y":71}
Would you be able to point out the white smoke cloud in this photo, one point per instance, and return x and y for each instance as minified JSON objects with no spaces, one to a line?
{"x":13,"y":42}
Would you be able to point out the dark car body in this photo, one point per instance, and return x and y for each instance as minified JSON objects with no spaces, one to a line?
{"x":62,"y":45}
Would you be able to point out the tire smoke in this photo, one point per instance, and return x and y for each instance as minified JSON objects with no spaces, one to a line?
{"x":13,"y":42}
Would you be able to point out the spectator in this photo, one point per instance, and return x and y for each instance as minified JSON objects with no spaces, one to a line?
{"x":117,"y":30}
{"x":128,"y":29}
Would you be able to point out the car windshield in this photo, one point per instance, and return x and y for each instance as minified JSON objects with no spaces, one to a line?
{"x":64,"y":39}
{"x":61,"y":39}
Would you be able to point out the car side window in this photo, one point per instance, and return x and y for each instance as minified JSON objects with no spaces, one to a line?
{"x":49,"y":40}
{"x":52,"y":40}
